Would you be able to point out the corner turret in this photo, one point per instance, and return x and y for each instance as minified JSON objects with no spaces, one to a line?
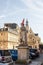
{"x":27,"y":26}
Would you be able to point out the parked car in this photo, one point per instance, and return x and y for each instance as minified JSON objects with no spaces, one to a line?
{"x":33,"y":53}
{"x":14,"y":54}
{"x":5,"y":57}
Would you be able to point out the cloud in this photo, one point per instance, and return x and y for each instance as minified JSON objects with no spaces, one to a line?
{"x":2,"y":16}
{"x":33,"y":9}
{"x":33,"y":4}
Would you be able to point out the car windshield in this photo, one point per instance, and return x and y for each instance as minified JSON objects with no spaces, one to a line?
{"x":33,"y":50}
{"x":4,"y":53}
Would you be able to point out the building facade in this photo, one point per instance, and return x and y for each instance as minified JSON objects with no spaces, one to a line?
{"x":9,"y":38}
{"x":33,"y":39}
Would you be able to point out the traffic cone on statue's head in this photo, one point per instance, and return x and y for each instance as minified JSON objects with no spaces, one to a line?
{"x":22,"y":24}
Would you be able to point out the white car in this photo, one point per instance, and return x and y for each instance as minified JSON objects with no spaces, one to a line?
{"x":6,"y":63}
{"x":5,"y":58}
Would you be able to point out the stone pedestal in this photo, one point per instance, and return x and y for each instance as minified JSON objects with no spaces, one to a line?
{"x":23,"y":53}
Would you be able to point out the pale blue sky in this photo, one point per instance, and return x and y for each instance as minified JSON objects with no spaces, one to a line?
{"x":16,"y":10}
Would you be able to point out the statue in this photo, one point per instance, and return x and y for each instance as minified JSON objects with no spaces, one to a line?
{"x":23,"y":34}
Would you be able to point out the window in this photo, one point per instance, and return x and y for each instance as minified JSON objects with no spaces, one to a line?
{"x":30,"y":31}
{"x":33,"y":39}
{"x":38,"y":41}
{"x":5,"y":53}
{"x":30,"y":37}
{"x":1,"y":33}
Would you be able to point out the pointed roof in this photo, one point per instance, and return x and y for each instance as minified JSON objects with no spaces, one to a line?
{"x":26,"y":22}
{"x":31,"y":30}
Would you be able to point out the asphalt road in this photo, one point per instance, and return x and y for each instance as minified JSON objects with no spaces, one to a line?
{"x":38,"y":60}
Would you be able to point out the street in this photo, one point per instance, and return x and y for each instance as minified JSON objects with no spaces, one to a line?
{"x":38,"y":60}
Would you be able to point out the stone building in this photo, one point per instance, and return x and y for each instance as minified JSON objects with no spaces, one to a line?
{"x":33,"y":39}
{"x":9,"y":37}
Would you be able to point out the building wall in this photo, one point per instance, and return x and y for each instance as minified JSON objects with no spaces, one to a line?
{"x":8,"y":40}
{"x":12,"y":40}
{"x":3,"y":40}
{"x":32,"y":40}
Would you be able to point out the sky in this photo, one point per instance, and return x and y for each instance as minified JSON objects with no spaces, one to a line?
{"x":13,"y":11}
